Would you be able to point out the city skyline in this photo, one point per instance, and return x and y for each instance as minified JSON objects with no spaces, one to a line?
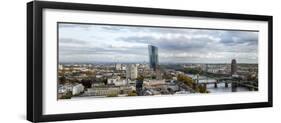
{"x":83,"y":43}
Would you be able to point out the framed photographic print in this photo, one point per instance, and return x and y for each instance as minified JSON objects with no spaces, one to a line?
{"x":95,"y":61}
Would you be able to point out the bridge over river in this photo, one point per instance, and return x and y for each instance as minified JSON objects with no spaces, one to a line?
{"x":235,"y":83}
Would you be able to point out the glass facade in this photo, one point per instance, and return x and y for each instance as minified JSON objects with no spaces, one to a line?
{"x":153,"y":57}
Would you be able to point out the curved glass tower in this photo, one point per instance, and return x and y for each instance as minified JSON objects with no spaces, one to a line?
{"x":153,"y":57}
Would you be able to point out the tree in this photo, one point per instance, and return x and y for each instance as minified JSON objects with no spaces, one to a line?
{"x":192,"y":70}
{"x":251,"y":77}
{"x":185,"y":79}
{"x":202,"y":89}
{"x":104,"y":81}
{"x":68,"y":95}
{"x":86,"y":83}
{"x":62,"y":80}
{"x":189,"y":82}
{"x":132,"y":93}
{"x":140,"y":78}
{"x":112,"y":95}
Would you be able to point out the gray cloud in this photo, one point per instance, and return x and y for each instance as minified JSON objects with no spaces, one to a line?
{"x":238,"y":37}
{"x":71,"y":41}
{"x":73,"y":26}
{"x":178,"y":43}
{"x":228,"y":41}
{"x":174,"y":44}
{"x":100,"y":50}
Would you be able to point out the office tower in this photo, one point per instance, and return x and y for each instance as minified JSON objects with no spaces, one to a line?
{"x":153,"y":57}
{"x":233,"y":67}
{"x":158,"y":74}
{"x":131,"y":71}
{"x":118,"y":66}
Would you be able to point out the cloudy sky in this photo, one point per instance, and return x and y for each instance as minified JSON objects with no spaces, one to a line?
{"x":107,"y":43}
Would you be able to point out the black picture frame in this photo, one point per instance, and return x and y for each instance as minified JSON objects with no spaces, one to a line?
{"x":35,"y":69}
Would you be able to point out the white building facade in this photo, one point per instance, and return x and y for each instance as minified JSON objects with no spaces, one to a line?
{"x":132,"y":71}
{"x":77,"y":89}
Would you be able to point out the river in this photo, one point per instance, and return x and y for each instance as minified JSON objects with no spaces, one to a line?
{"x":220,"y":87}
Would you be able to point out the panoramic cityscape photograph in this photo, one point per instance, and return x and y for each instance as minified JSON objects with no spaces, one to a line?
{"x":107,"y":60}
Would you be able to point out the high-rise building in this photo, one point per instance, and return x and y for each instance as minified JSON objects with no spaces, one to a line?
{"x":118,"y":66}
{"x":158,"y":74}
{"x":153,"y":57}
{"x":233,"y":67}
{"x":131,"y":71}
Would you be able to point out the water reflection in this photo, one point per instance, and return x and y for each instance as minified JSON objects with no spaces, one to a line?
{"x":220,"y":86}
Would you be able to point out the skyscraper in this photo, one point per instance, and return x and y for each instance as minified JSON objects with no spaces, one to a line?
{"x":233,"y":67}
{"x":118,"y":66}
{"x":131,"y":71}
{"x":153,"y":57}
